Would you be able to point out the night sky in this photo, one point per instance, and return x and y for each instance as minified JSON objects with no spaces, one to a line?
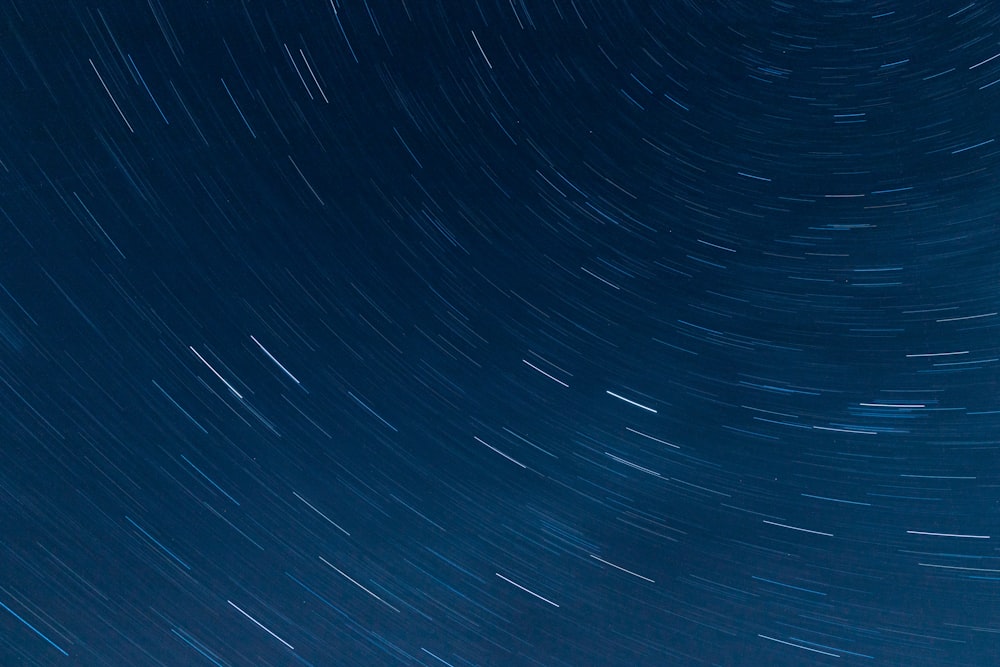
{"x":500,"y":332}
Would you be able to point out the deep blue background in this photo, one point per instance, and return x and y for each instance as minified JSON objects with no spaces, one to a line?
{"x":513,"y":333}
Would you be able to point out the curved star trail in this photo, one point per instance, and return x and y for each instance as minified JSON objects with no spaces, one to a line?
{"x":499,"y":333}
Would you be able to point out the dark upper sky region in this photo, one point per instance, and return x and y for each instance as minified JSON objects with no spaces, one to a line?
{"x":556,"y":332}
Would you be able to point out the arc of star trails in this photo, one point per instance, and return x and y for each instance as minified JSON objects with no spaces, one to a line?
{"x":228,"y":386}
{"x":310,"y":506}
{"x":801,"y":530}
{"x":967,"y":537}
{"x":514,"y":583}
{"x":804,"y":648}
{"x":278,"y":363}
{"x":512,"y":460}
{"x":34,"y":629}
{"x":261,"y":625}
{"x":481,"y":49}
{"x":631,"y":402}
{"x":662,"y":442}
{"x":554,"y":379}
{"x":619,"y":567}
{"x":346,"y":576}
{"x":374,"y":414}
{"x":113,"y":100}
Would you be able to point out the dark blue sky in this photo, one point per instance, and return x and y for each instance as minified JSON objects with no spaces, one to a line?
{"x":499,"y":333}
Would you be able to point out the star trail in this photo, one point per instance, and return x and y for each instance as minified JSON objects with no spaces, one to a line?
{"x":500,"y":332}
